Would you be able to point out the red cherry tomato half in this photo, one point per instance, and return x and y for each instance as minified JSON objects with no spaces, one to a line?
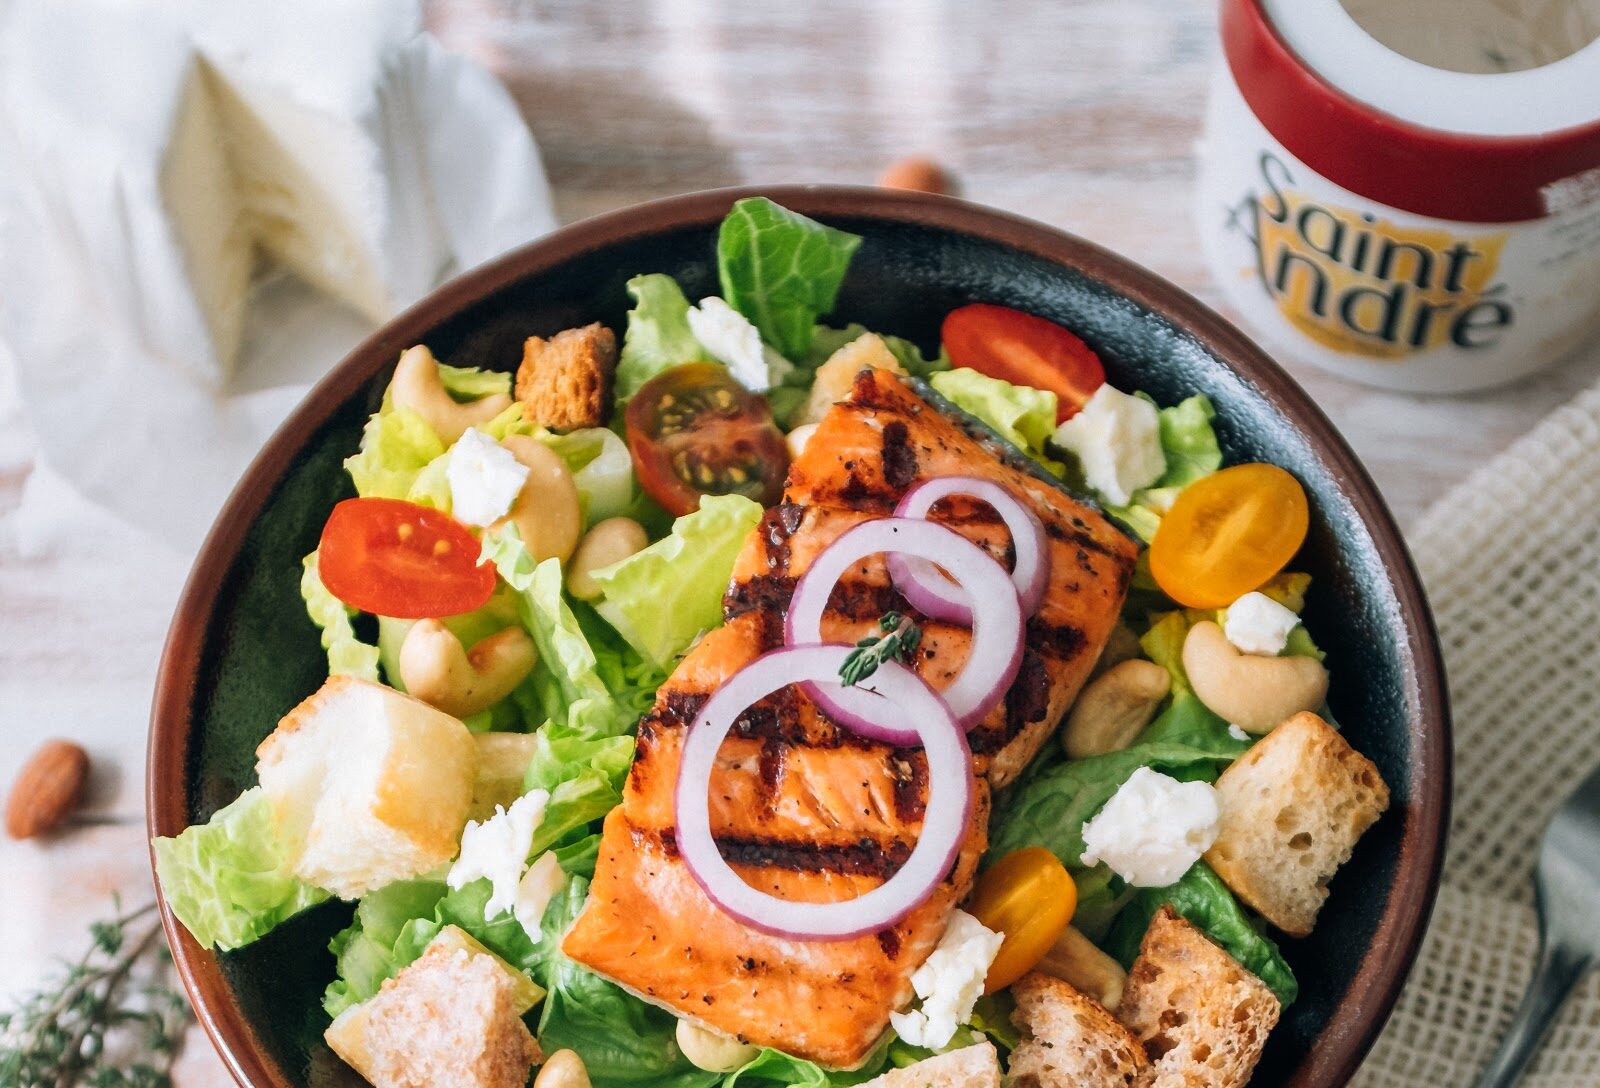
{"x":395,"y":558}
{"x":695,"y":431}
{"x":1024,"y":350}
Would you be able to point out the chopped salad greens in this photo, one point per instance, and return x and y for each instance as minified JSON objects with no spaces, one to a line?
{"x":554,"y":685}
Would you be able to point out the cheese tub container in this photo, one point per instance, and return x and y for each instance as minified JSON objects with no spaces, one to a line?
{"x":1407,"y":192}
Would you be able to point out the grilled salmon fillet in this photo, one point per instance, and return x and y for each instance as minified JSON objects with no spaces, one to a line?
{"x":812,"y":812}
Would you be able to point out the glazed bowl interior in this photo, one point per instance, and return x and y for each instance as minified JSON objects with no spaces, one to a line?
{"x":242,"y":652}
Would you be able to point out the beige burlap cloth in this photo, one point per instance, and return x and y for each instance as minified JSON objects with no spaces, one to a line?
{"x":1511,"y":560}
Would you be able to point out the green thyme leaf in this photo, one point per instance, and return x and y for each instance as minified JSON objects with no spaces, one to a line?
{"x":897,"y":642}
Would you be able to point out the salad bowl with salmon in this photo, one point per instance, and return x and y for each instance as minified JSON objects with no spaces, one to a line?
{"x":810,"y":637}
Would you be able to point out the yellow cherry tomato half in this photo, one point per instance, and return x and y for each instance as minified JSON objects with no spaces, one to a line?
{"x":1229,"y":533}
{"x":1028,"y":897}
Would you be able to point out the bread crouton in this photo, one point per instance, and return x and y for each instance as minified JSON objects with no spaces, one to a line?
{"x":564,"y":383}
{"x":1293,"y":808}
{"x":1202,"y":1018}
{"x":836,"y":377}
{"x":1069,"y":1040}
{"x":366,"y":785}
{"x":449,"y":1020}
{"x":970,"y":1067}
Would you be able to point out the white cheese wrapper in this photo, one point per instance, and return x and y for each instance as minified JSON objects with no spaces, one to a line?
{"x":128,"y":397}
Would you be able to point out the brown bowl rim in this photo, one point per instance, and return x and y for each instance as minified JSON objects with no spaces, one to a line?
{"x":1336,"y":1051}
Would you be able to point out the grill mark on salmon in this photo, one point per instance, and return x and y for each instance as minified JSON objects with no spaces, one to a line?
{"x":805,"y":810}
{"x":866,"y":857}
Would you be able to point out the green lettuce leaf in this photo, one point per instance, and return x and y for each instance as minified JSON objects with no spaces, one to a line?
{"x":1024,"y":416}
{"x":391,"y":928}
{"x":602,"y":468}
{"x":657,"y":337}
{"x":396,"y":445}
{"x":662,"y":598}
{"x":228,"y":880}
{"x":347,"y":654}
{"x":1205,"y":901}
{"x":1190,"y":445}
{"x":781,"y":270}
{"x":774,"y":1069}
{"x":621,"y":1040}
{"x":1052,"y":803}
{"x":1189,"y":441}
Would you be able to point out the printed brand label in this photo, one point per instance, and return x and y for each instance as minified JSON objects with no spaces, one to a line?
{"x":1325,"y":276}
{"x":1356,"y":283}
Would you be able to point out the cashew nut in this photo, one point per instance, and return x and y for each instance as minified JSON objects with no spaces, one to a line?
{"x":711,"y":1050}
{"x":437,"y":669}
{"x":1115,"y":708}
{"x":1121,"y":644}
{"x":417,"y":386}
{"x":607,"y":542}
{"x":546,"y":511}
{"x":1075,"y":959}
{"x":563,"y":1069}
{"x":1255,"y":693}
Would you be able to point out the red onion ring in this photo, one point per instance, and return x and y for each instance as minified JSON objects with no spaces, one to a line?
{"x":992,"y":661}
{"x":944,"y":824}
{"x":937,"y":597}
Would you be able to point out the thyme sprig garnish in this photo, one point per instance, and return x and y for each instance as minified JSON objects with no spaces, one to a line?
{"x":111,"y":1020}
{"x":897,"y":641}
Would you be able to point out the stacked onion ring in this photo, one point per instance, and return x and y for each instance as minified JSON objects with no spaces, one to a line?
{"x":945,"y":577}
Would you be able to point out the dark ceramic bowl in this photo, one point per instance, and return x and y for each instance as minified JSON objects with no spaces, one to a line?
{"x":242,"y":652}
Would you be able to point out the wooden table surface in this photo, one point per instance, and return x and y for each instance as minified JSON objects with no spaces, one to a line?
{"x":1080,"y":113}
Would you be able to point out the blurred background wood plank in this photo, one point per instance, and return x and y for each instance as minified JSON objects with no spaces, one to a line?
{"x":1080,"y":113}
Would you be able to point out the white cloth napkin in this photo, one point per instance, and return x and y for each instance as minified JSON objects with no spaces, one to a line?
{"x":1511,"y":559}
{"x":154,"y":439}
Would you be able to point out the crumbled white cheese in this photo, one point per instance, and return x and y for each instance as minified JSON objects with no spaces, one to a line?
{"x":1257,"y":624}
{"x":1237,"y":732}
{"x":541,"y":883}
{"x":484,"y":478}
{"x":1117,"y":440}
{"x":798,"y":438}
{"x":949,"y":982}
{"x":736,"y":343}
{"x":497,"y":849}
{"x":1153,"y":829}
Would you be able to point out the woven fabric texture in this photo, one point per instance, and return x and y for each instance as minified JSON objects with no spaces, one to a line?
{"x":1511,"y":560}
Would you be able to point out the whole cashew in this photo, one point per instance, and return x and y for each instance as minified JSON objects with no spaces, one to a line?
{"x":607,"y":542}
{"x":1075,"y":959}
{"x":546,"y":511}
{"x":1115,"y":708}
{"x":437,"y":669}
{"x":711,"y":1050}
{"x":563,"y":1069}
{"x":1255,"y":693}
{"x":417,"y":386}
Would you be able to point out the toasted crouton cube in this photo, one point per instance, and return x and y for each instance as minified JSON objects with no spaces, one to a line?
{"x":449,"y":1020}
{"x":1293,"y":808}
{"x":564,"y":383}
{"x":1202,"y":1018}
{"x":1069,"y":1040}
{"x":836,"y":377}
{"x":970,"y":1067}
{"x":367,"y":785}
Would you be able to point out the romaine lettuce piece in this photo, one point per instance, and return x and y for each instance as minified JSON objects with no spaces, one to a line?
{"x":228,"y":880}
{"x":781,"y":270}
{"x":602,"y":468}
{"x":658,"y":336}
{"x":1024,"y":416}
{"x":662,"y":598}
{"x":396,"y":445}
{"x":347,"y":654}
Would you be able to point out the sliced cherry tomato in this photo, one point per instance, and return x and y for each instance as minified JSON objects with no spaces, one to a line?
{"x":1024,"y":350}
{"x":1029,"y":898}
{"x":395,"y":558}
{"x":695,"y":431}
{"x":1229,"y":533}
